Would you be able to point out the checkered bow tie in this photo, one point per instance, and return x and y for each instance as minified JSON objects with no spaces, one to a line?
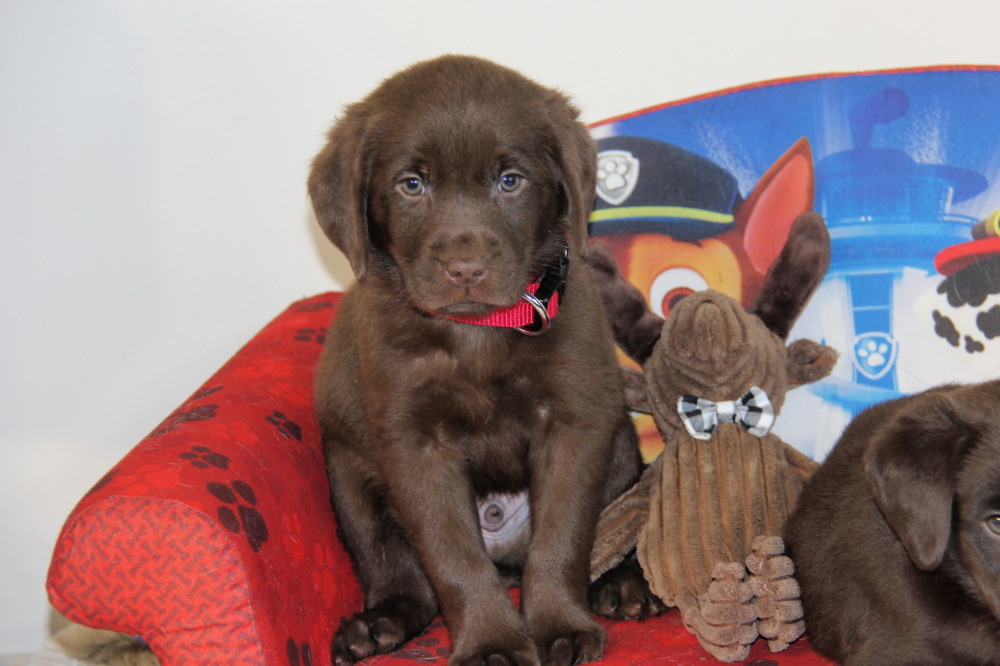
{"x":752,"y":410}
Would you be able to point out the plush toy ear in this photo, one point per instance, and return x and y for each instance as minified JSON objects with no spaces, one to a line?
{"x":784,"y":192}
{"x":636,"y":327}
{"x":338,"y":187}
{"x":576,"y":159}
{"x":794,"y":275}
{"x":911,"y":467}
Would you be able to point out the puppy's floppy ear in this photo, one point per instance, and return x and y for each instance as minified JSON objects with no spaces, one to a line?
{"x":576,"y":157}
{"x":911,"y":468}
{"x":338,"y":187}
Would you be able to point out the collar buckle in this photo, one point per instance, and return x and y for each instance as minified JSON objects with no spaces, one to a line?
{"x":551,"y":285}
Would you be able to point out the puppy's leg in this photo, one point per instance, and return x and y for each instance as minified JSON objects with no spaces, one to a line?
{"x":431,"y":493}
{"x":399,"y":601}
{"x":569,"y":478}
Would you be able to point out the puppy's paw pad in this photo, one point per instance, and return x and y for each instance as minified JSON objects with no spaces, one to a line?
{"x":577,"y":647}
{"x":514,"y":657}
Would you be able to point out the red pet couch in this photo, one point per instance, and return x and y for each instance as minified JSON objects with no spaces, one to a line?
{"x":214,"y":539}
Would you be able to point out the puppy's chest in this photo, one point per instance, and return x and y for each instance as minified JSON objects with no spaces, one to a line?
{"x":494,"y":418}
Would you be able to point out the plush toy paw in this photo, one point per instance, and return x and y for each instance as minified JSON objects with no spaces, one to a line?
{"x":776,"y":593}
{"x":724,"y":619}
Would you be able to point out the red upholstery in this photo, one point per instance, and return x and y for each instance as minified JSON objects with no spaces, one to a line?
{"x":214,"y":539}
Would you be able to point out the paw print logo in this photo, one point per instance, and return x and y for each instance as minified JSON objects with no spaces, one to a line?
{"x":617,"y":175}
{"x":285,"y":427}
{"x":204,"y":457}
{"x":310,"y":335}
{"x":241,"y":497}
{"x":875,"y":354}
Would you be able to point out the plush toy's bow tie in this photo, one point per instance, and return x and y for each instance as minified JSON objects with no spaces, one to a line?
{"x":752,"y":410}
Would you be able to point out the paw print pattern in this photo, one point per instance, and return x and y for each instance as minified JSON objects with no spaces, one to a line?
{"x":875,"y":354}
{"x":426,"y":650}
{"x":311,"y":335}
{"x":315,"y":306}
{"x":286,"y":428}
{"x":299,"y":655}
{"x":204,"y":457}
{"x":105,"y":480}
{"x":246,"y":517}
{"x":189,"y":414}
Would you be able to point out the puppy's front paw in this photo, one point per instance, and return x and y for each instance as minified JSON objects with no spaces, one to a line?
{"x":623,"y":593}
{"x":501,"y":646}
{"x":579,"y":644}
{"x":524,"y":656}
{"x":580,"y":647}
{"x":377,"y":631}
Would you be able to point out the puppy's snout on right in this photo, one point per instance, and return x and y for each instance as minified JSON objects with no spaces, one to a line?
{"x":466,"y":271}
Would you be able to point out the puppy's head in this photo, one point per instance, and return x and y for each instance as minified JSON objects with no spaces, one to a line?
{"x":934,"y":470}
{"x":457,"y":178}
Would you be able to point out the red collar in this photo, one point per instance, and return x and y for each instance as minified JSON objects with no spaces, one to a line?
{"x":539,"y":304}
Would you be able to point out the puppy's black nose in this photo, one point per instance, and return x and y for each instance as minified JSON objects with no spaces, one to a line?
{"x":466,"y":271}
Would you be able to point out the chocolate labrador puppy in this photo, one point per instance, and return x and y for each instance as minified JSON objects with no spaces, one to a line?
{"x":470,"y":365}
{"x":896,"y":538}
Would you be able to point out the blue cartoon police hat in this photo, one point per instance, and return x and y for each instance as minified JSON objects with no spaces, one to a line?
{"x":648,"y":186}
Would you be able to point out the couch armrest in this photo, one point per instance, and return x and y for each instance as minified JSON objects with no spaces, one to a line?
{"x":214,"y":539}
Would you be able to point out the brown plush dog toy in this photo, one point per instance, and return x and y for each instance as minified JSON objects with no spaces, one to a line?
{"x":713,"y":504}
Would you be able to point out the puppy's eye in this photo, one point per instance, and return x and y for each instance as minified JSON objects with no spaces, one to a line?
{"x":411,"y":187}
{"x":993,"y":524}
{"x":509,"y":182}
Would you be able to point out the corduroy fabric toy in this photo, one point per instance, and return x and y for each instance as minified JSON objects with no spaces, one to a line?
{"x":706,"y":514}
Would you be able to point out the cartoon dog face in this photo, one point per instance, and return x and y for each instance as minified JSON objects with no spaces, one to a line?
{"x":677,"y":223}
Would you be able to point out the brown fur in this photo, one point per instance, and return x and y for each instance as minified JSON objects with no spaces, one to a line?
{"x":892,"y":537}
{"x":423,"y":415}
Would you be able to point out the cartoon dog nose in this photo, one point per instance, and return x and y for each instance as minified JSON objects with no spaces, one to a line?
{"x":466,"y":271}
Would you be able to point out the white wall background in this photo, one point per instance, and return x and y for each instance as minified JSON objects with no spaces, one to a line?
{"x":152,"y":164}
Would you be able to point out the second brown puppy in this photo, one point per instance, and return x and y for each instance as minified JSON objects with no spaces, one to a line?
{"x":452,"y":189}
{"x":896,"y":538}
